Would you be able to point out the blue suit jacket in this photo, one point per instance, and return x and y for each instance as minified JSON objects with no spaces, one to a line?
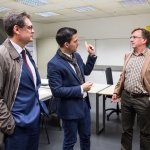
{"x":66,"y":86}
{"x":26,"y":108}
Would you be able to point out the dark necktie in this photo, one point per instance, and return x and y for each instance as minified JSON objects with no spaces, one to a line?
{"x":25,"y":60}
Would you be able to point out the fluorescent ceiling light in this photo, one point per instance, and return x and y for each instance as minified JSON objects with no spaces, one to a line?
{"x":4,"y":9}
{"x":33,"y":2}
{"x":84,"y":9}
{"x":47,"y":14}
{"x":133,"y":2}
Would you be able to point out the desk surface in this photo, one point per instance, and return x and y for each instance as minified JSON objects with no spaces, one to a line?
{"x":45,"y":87}
{"x":94,"y":89}
{"x":108,"y":91}
{"x":44,"y":93}
{"x":97,"y":87}
{"x":44,"y":81}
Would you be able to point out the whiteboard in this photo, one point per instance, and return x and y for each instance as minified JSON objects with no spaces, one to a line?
{"x":82,"y":49}
{"x":111,"y":51}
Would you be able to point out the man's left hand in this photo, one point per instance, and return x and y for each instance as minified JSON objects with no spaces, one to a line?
{"x":90,"y":49}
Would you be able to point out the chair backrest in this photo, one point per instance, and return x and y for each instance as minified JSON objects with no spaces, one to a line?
{"x":109,"y":77}
{"x":52,"y":105}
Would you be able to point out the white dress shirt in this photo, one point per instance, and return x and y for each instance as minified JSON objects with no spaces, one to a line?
{"x":19,"y":50}
{"x":83,"y":93}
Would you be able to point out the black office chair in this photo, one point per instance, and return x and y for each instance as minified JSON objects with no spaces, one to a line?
{"x":52,"y":109}
{"x":109,"y":80}
{"x":52,"y":102}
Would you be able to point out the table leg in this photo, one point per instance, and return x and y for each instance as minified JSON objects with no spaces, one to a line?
{"x":98,"y":131}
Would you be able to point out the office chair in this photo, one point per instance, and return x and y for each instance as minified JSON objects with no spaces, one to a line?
{"x":52,"y":110}
{"x":109,"y":80}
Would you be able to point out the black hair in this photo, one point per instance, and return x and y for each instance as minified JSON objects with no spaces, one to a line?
{"x":65,"y":35}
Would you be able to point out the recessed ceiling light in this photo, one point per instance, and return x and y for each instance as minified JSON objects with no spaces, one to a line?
{"x":133,"y":2}
{"x":33,"y":2}
{"x":4,"y":9}
{"x":47,"y":14}
{"x":84,"y":9}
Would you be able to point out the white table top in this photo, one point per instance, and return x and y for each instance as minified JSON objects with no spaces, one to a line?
{"x":44,"y":81}
{"x":45,"y":87}
{"x":108,"y":91}
{"x":44,"y":93}
{"x":94,"y":89}
{"x":97,"y":87}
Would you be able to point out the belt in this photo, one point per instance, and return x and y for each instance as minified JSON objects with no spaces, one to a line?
{"x":135,"y":95}
{"x":84,"y":99}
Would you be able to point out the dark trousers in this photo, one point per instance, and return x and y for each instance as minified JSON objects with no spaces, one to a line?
{"x":129,"y":108}
{"x":82,"y":126}
{"x":23,"y":139}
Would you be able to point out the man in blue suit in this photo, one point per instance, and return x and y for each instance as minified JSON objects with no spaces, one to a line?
{"x":19,"y":83}
{"x":66,"y":72}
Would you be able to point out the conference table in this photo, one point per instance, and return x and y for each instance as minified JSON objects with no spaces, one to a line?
{"x":105,"y":92}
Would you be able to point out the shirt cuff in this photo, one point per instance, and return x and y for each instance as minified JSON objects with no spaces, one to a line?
{"x":81,"y":90}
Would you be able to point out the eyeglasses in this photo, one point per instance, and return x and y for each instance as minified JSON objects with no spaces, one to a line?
{"x":29,"y":27}
{"x":135,"y":37}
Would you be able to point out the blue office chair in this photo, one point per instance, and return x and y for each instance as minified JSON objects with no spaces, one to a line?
{"x":109,"y":80}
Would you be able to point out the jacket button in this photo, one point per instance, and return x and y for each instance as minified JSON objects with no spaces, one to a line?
{"x":37,"y":104}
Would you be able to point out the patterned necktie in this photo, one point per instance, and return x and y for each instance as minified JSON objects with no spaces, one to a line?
{"x":25,"y":60}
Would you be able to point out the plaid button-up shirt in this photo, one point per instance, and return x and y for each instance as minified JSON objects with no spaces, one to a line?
{"x":133,"y":71}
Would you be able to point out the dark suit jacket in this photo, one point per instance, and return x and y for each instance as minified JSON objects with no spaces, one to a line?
{"x":66,"y":86}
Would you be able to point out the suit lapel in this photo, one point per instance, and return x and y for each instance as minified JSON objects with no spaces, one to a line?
{"x":38,"y":80}
{"x":24,"y":67}
{"x":68,"y":66}
{"x":127,"y":57}
{"x":145,"y":64}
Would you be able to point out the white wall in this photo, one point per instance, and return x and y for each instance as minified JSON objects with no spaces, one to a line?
{"x":113,"y":27}
{"x":103,"y":28}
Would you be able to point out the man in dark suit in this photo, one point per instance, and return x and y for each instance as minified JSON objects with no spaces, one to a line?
{"x":19,"y":84}
{"x":66,"y":72}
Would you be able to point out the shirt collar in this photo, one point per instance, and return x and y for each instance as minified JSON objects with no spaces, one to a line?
{"x":68,"y":55}
{"x":17,"y":47}
{"x":142,"y":53}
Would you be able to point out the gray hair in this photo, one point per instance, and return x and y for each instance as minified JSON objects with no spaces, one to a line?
{"x":14,"y":18}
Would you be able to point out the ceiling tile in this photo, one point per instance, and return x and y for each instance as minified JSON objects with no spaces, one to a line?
{"x":76,"y":14}
{"x":68,"y":19}
{"x":95,"y":13}
{"x":108,"y":5}
{"x":84,"y":17}
{"x":57,"y":1}
{"x":139,"y":7}
{"x":140,"y":11}
{"x":122,"y":13}
{"x":64,"y":11}
{"x":20,"y":7}
{"x":51,"y":7}
{"x":105,"y":8}
{"x":113,"y":10}
{"x":73,"y":3}
{"x":4,"y":1}
{"x":104,"y":15}
{"x":98,"y":1}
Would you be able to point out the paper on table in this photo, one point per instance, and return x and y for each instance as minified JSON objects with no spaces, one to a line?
{"x":44,"y":81}
{"x":41,"y":92}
